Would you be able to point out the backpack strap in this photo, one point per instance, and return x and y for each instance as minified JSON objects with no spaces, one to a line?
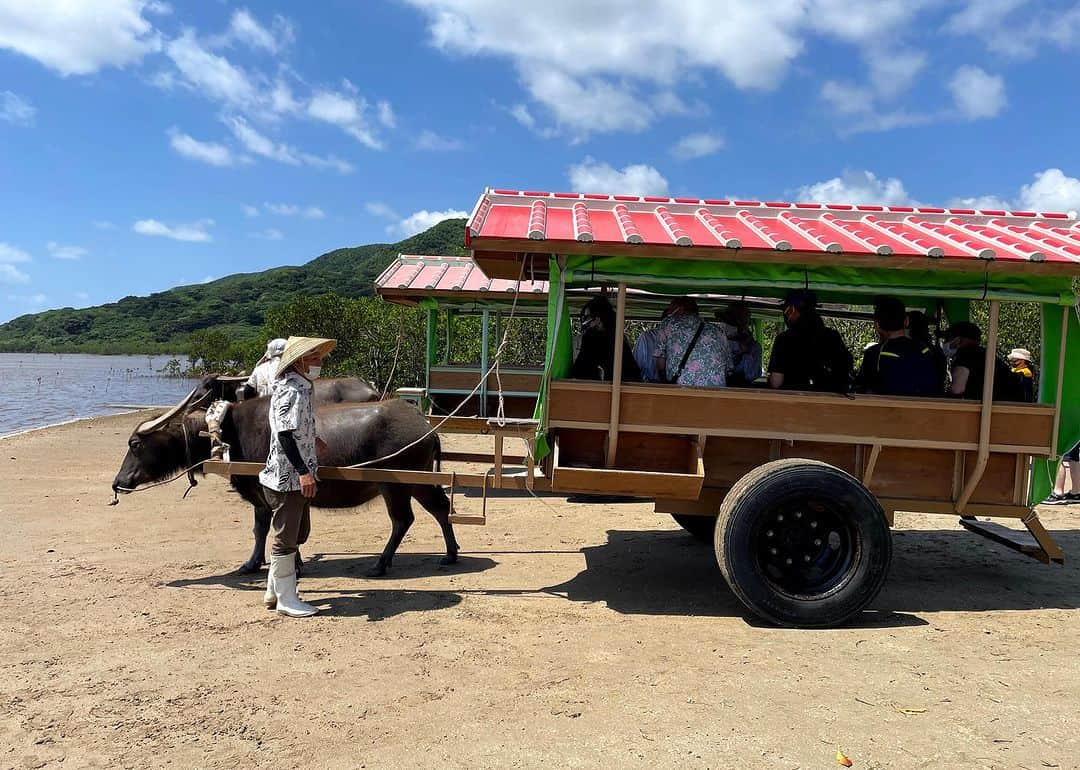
{"x":686,"y":354}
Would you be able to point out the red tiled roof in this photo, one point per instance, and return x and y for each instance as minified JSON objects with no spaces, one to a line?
{"x":412,"y":276}
{"x":629,"y":220}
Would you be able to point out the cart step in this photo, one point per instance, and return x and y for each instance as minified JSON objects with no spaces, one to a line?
{"x":467,"y":518}
{"x":1022,"y":542}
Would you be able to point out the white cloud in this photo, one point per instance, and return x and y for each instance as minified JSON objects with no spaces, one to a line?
{"x":636,"y":179}
{"x":521,"y":114}
{"x":250,"y":211}
{"x":1016,"y":28}
{"x":9,"y":254}
{"x":11,"y":274}
{"x":386,"y":115}
{"x":347,"y":111}
{"x":1051,"y":190}
{"x":429,"y":140}
{"x":245,"y":29}
{"x":313,"y":212}
{"x":260,"y":144}
{"x":981,"y":202}
{"x":14,"y":109}
{"x":586,"y":105}
{"x":419,"y":221}
{"x":194,"y":232}
{"x":862,"y":23}
{"x":211,"y":74}
{"x":697,"y":146}
{"x":846,"y":98}
{"x":60,"y":251}
{"x":79,"y":38}
{"x":211,"y":153}
{"x":269,"y":234}
{"x":292,"y":210}
{"x":894,"y":71}
{"x":976,"y":93}
{"x":856,"y":187}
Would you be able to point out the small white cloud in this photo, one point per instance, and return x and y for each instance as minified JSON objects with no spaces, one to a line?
{"x":11,"y":274}
{"x":194,"y":232}
{"x":245,"y":29}
{"x":9,"y":254}
{"x":269,"y":234}
{"x":857,"y":187}
{"x":211,"y":153}
{"x":521,"y":114}
{"x":261,"y":145}
{"x":429,"y":140}
{"x":59,"y":251}
{"x":636,"y":179}
{"x":846,"y":98}
{"x":16,"y":110}
{"x":212,"y":75}
{"x":282,"y":209}
{"x":330,"y":162}
{"x":976,"y":93}
{"x":79,"y":38}
{"x":1051,"y":190}
{"x":313,"y":212}
{"x":697,"y":146}
{"x":386,"y":115}
{"x":347,"y":111}
{"x":981,"y":202}
{"x":104,"y":224}
{"x":250,"y":211}
{"x":419,"y":221}
{"x":379,"y":209}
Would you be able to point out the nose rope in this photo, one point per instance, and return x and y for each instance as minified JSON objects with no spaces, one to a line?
{"x":131,"y":490}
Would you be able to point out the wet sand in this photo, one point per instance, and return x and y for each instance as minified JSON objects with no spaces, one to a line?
{"x":568,"y":636}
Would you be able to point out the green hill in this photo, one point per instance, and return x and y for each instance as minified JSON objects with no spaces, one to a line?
{"x":236,"y":304}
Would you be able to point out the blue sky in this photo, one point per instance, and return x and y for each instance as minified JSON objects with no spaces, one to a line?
{"x":145,"y":144}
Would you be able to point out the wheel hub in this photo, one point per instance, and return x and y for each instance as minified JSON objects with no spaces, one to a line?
{"x":804,"y":549}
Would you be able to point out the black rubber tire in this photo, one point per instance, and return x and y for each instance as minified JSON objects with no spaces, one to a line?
{"x":856,"y":555}
{"x":701,"y":527}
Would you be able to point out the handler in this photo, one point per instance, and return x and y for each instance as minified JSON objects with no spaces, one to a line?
{"x":288,"y":479}
{"x":261,"y":381}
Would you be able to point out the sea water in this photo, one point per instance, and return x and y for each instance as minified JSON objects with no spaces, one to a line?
{"x":39,"y":389}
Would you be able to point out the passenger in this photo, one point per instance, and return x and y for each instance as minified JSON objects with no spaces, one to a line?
{"x":261,"y":381}
{"x":962,"y":345}
{"x":690,"y":351}
{"x":1023,"y":375}
{"x":1070,"y":465}
{"x":898,"y":365}
{"x":645,"y":352}
{"x":918,"y":327}
{"x":808,"y":355}
{"x":745,"y":349}
{"x":596,"y":357}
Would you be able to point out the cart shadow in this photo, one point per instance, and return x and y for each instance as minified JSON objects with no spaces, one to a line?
{"x":665,"y":572}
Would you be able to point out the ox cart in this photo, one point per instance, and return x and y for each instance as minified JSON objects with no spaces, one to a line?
{"x":797,"y":490}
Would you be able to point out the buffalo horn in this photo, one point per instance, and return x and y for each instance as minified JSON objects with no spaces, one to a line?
{"x":152,"y":425}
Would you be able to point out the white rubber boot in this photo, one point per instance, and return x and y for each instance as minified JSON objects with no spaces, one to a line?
{"x":270,"y":598}
{"x":283,"y":573}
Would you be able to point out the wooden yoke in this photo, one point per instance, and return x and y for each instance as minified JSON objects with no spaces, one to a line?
{"x":616,"y":376}
{"x":985,"y":412}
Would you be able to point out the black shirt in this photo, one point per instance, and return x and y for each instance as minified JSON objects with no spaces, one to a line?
{"x":811,"y":356}
{"x":899,"y":367}
{"x":973,"y":358}
{"x":596,"y":358}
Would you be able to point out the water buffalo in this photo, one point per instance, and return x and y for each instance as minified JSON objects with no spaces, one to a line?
{"x":215,"y":387}
{"x":354,"y":433}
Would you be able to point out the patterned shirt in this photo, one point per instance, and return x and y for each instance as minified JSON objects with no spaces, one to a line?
{"x":291,"y":408}
{"x":709,"y":361}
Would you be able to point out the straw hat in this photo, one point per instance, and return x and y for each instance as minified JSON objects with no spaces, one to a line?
{"x":298,"y":347}
{"x":1019,"y":354}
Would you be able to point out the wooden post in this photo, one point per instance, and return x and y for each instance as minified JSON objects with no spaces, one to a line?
{"x":484,"y":323}
{"x":986,"y":410}
{"x":616,"y":376}
{"x":1060,"y":382}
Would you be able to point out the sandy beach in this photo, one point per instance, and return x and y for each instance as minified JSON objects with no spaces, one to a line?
{"x":568,"y":636}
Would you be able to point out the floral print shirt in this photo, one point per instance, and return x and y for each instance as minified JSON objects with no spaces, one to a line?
{"x":292,"y":409}
{"x":710,"y":360}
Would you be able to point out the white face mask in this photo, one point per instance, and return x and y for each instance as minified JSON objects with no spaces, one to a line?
{"x":313,"y":372}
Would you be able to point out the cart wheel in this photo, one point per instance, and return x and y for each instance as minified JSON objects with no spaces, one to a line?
{"x":802,"y":543}
{"x":701,"y":527}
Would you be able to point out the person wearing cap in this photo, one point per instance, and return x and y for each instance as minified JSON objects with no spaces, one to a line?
{"x":289,"y":480}
{"x":690,"y":351}
{"x":808,"y":355}
{"x":596,"y":357}
{"x":963,"y":347}
{"x":897,"y":365}
{"x":1023,"y":375}
{"x":261,"y":381}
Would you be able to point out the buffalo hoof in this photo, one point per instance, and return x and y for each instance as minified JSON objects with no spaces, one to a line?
{"x":250,"y":567}
{"x":450,"y":558}
{"x":379,"y":570}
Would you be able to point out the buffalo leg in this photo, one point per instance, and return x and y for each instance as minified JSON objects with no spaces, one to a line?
{"x":260,"y":531}
{"x":399,"y":506}
{"x":435,"y":502}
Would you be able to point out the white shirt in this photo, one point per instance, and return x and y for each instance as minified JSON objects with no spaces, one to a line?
{"x":291,"y":408}
{"x":262,"y":376}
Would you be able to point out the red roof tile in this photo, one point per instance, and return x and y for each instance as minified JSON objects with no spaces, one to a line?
{"x":411,"y":277}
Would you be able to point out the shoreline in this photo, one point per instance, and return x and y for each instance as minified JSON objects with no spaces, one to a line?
{"x":116,"y":413}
